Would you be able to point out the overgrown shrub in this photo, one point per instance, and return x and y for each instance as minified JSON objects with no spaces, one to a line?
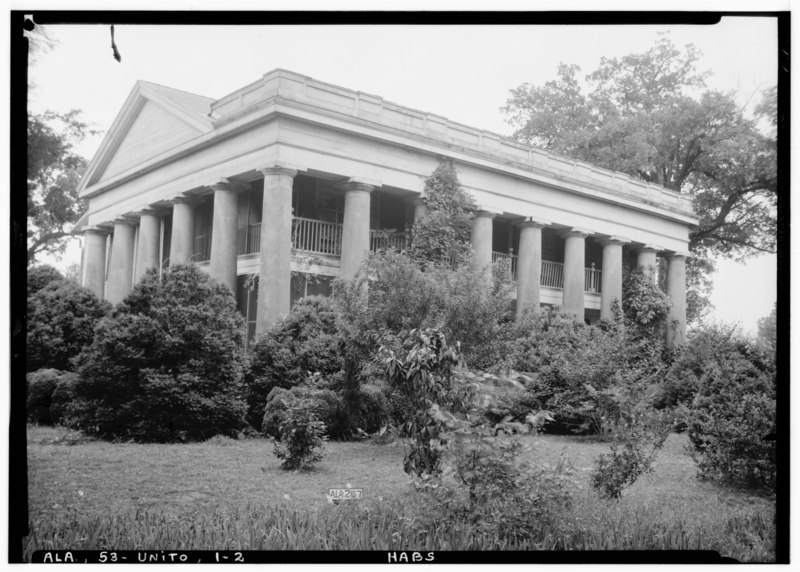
{"x":41,"y":385}
{"x":167,"y":364}
{"x":443,"y":232}
{"x":62,"y":317}
{"x":62,"y":403}
{"x":733,"y":410}
{"x":584,"y":374}
{"x":302,"y":437}
{"x":324,"y":403}
{"x":633,"y":450}
{"x":304,"y":342}
{"x":41,"y":276}
{"x":401,"y":295}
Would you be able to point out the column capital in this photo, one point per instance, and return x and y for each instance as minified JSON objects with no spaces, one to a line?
{"x":533,"y":222}
{"x":96,"y":230}
{"x":127,"y":220}
{"x":226,"y":185}
{"x":612,"y":240}
{"x":359,"y":184}
{"x":485,"y":214}
{"x":148,"y":211}
{"x":277,"y":169}
{"x":649,"y":248}
{"x":183,"y":200}
{"x":678,"y":254}
{"x":575,"y":232}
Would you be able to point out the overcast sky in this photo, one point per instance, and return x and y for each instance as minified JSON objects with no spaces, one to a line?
{"x":461,"y":72}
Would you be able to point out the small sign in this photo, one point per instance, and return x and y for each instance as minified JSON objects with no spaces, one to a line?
{"x":336,"y":496}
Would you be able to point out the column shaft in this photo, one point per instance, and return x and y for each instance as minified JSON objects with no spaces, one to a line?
{"x":147,"y":249}
{"x":482,"y":239}
{"x":121,"y":264}
{"x":611,"y":278}
{"x":676,"y":290}
{"x":355,"y":231}
{"x":94,"y":262}
{"x":574,"y":273}
{"x":647,"y":260}
{"x":222,"y":266}
{"x":181,"y":246}
{"x":529,"y":267}
{"x":274,"y":281}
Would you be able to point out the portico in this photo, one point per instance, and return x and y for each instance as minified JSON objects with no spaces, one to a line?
{"x":291,"y":177}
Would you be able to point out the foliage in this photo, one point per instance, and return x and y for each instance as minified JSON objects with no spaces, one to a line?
{"x":401,"y":296}
{"x":586,"y":375}
{"x":302,"y":435}
{"x":443,"y":232}
{"x":325,"y":404}
{"x":54,"y":172}
{"x":649,"y":115}
{"x":61,"y":405}
{"x":733,"y":409}
{"x":40,"y":386}
{"x":305,"y":341}
{"x":425,"y":378}
{"x":40,"y":276}
{"x":633,"y":450}
{"x":644,"y":305}
{"x":167,"y":364}
{"x":62,"y":318}
{"x":768,"y":331}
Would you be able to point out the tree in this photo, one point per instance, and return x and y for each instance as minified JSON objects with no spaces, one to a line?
{"x":444,"y":230}
{"x":767,"y":337}
{"x":54,"y":172}
{"x":648,"y":115}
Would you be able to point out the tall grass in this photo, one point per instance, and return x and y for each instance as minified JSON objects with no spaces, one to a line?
{"x":593,"y":524}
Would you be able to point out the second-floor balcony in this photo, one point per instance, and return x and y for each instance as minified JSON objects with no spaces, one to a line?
{"x":552,"y":272}
{"x":322,"y":238}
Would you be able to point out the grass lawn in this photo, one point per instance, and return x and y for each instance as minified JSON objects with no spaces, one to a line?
{"x":90,"y":492}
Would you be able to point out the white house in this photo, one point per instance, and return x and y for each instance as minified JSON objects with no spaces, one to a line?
{"x":292,"y":174}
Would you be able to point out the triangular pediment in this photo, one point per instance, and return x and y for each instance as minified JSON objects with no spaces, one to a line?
{"x":153,"y":120}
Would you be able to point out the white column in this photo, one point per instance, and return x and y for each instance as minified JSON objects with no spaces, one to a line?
{"x":574,"y":271}
{"x":355,"y":230}
{"x":482,"y":239}
{"x":676,"y":290}
{"x":222,"y":266}
{"x":529,"y":266}
{"x":274,"y":280}
{"x":647,"y":260}
{"x":94,"y":260}
{"x":120,"y":271}
{"x":611,"y":276}
{"x":147,"y":248}
{"x":181,"y":244}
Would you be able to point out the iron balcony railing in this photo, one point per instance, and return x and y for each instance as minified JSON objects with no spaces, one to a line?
{"x":552,"y":272}
{"x":325,"y":238}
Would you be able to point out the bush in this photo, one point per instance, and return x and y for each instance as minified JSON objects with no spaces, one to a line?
{"x":585,"y":374}
{"x":41,"y":276}
{"x":304,"y":342}
{"x":733,"y":410}
{"x":329,"y":408}
{"x":62,"y":317}
{"x":167,"y":365}
{"x":62,"y":404}
{"x":633,"y":451}
{"x":302,"y":437}
{"x":41,"y":385}
{"x":404,"y":296}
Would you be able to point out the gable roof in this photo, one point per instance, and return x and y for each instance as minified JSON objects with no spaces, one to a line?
{"x":190,"y":109}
